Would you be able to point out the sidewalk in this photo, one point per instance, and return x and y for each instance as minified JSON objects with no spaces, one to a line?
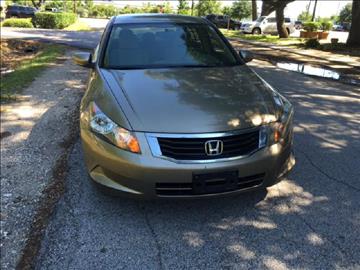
{"x":342,"y":63}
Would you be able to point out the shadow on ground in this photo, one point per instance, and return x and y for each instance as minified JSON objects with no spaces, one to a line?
{"x":310,"y":220}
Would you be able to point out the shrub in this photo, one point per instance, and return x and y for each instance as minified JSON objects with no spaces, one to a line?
{"x":103,"y":11}
{"x":312,"y":43}
{"x":14,"y":22}
{"x":311,"y":26}
{"x":326,"y":25}
{"x":52,"y":20}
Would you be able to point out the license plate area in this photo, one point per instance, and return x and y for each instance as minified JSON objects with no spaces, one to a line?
{"x":215,"y":182}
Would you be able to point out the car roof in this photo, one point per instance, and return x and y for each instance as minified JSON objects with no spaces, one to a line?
{"x":149,"y":18}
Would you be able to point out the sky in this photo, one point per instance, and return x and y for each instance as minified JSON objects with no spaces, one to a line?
{"x":324,"y":8}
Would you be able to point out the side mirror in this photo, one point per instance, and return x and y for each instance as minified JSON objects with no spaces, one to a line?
{"x":83,"y":59}
{"x":247,"y":56}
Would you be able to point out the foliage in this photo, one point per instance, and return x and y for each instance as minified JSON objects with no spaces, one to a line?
{"x":159,"y":8}
{"x":345,"y":13}
{"x":326,"y":25}
{"x":183,"y":7}
{"x":241,"y":9}
{"x":335,"y":18}
{"x":52,"y":20}
{"x":78,"y":26}
{"x":311,"y":26}
{"x":103,"y":11}
{"x":264,"y":38}
{"x":15,"y":22}
{"x":226,"y":10}
{"x":129,"y":10}
{"x":206,"y":7}
{"x":312,"y":43}
{"x":33,"y":3}
{"x":304,"y":16}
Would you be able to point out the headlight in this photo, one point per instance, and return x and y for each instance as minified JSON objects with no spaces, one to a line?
{"x":280,"y":129}
{"x":106,"y":129}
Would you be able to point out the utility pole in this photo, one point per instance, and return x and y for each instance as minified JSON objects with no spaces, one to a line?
{"x":313,"y":16}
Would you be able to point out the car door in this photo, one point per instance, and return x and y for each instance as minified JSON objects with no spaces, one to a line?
{"x":270,"y":26}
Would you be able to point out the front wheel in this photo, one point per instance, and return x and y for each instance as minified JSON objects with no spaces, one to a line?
{"x":256,"y":31}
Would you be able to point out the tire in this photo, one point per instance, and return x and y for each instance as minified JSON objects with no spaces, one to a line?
{"x":256,"y":31}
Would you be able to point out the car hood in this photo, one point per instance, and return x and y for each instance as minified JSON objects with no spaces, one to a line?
{"x":191,"y":100}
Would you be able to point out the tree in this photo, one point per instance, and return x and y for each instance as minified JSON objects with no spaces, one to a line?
{"x":345,"y":13}
{"x":254,"y":9}
{"x":192,"y":7}
{"x":314,"y":11}
{"x":241,"y":9}
{"x":226,"y":10}
{"x":278,"y":6}
{"x":304,"y":16}
{"x":354,"y":34}
{"x":205,"y":7}
{"x":183,"y":7}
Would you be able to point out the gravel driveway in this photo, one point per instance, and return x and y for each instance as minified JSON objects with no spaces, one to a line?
{"x":36,"y":133}
{"x":311,"y":220}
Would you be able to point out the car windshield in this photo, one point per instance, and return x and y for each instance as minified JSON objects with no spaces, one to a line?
{"x":156,"y":45}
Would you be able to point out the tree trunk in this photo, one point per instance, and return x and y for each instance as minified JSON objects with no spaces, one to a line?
{"x":254,"y":10}
{"x":283,"y":33}
{"x":314,"y":11}
{"x":354,"y":34}
{"x":192,"y":7}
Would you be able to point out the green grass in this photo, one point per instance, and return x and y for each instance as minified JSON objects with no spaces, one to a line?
{"x":27,"y":71}
{"x":263,"y":38}
{"x":78,"y":26}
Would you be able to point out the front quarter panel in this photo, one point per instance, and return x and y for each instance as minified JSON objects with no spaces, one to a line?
{"x":99,"y":92}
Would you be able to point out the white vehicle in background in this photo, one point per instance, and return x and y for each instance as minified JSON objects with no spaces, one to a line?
{"x":266,"y":25}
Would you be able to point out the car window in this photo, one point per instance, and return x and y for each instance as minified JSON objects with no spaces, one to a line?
{"x":271,"y":20}
{"x":260,"y":19}
{"x":287,"y":20}
{"x":166,"y":45}
{"x":220,"y":17}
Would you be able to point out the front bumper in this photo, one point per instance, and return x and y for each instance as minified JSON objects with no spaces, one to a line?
{"x":246,"y":29}
{"x":138,"y":175}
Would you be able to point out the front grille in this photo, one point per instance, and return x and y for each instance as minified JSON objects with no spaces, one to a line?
{"x":194,"y":148}
{"x":187,"y":189}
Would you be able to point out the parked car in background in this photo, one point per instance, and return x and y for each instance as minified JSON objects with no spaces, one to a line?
{"x":172,"y":110}
{"x":50,"y":9}
{"x":223,"y":21}
{"x":266,"y":25}
{"x":20,"y":12}
{"x":298,"y":25}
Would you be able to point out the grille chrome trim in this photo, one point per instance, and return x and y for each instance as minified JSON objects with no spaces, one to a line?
{"x":156,"y":151}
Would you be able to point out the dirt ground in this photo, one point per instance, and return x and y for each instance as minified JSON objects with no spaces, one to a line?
{"x":14,"y":51}
{"x":34,"y":147}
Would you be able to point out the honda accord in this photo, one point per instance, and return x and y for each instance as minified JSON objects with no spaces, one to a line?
{"x":172,"y":110}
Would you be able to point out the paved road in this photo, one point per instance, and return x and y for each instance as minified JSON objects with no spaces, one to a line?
{"x":82,"y":40}
{"x":311,"y":220}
